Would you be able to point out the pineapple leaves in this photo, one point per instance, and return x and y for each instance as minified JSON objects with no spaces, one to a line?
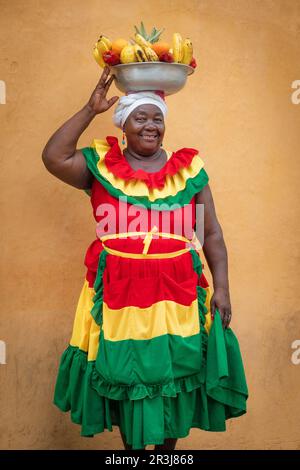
{"x":143,"y":30}
{"x":156,"y":36}
{"x":152,"y":37}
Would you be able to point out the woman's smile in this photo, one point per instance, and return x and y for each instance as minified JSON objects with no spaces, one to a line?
{"x":149,"y":137}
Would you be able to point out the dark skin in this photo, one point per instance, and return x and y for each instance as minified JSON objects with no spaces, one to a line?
{"x":144,"y":129}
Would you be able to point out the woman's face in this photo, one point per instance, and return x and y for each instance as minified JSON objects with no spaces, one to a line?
{"x":144,"y":129}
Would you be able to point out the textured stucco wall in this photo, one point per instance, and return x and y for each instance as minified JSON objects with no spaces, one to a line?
{"x":237,"y":110}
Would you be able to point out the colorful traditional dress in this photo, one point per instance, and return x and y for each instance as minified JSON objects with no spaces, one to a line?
{"x":144,"y":353}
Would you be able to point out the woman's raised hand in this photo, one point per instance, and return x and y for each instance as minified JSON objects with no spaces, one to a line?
{"x":98,"y":103}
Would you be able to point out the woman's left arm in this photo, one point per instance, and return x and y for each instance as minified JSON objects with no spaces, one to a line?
{"x":215,"y":252}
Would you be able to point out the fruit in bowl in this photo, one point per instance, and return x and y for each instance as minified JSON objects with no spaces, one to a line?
{"x":111,"y":57}
{"x":144,"y":47}
{"x":118,"y":45}
{"x":166,"y":57}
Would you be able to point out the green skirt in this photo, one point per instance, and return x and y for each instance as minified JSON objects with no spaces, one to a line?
{"x":202,"y":376}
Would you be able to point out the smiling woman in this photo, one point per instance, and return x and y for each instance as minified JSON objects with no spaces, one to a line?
{"x":141,"y":116}
{"x":151,"y":349}
{"x":145,"y":129}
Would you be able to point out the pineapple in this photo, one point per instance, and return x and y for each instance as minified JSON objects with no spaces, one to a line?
{"x":149,"y":38}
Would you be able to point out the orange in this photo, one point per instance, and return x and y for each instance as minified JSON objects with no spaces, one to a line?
{"x":160,"y":47}
{"x":118,"y":45}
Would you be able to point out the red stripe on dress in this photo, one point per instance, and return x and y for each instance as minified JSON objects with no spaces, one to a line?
{"x":141,"y":283}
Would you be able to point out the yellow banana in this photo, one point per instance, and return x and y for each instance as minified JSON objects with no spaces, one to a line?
{"x":106,"y":41}
{"x":140,"y":54}
{"x":98,"y":56}
{"x":177,"y":47}
{"x":128,"y":54}
{"x":151,"y":54}
{"x":102,"y":46}
{"x":141,"y":41}
{"x":187,"y":51}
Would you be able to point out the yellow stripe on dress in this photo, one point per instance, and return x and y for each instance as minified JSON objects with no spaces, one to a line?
{"x":208,"y":320}
{"x":173,"y":184}
{"x":161,"y":318}
{"x":86,"y":332}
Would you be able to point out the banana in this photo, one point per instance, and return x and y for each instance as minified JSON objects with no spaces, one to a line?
{"x":102,"y":46}
{"x":151,"y":54}
{"x":187,"y":51}
{"x":128,"y":54}
{"x":140,"y":54}
{"x":141,"y":41}
{"x":98,"y":56}
{"x":177,"y":47}
{"x":106,"y":41}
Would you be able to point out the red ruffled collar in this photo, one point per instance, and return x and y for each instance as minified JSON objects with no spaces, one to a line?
{"x":116,"y":162}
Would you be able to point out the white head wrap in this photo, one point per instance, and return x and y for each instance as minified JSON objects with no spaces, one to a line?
{"x":129,"y":102}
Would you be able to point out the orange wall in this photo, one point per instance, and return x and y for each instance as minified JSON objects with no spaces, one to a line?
{"x":237,"y":110}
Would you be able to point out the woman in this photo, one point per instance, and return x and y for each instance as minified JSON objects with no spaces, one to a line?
{"x":145,"y":354}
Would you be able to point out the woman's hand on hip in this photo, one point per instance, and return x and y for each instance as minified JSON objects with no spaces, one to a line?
{"x":221,"y":301}
{"x":98,"y":102}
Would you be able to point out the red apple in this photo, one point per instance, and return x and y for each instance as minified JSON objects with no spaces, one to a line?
{"x":111,"y":57}
{"x":193,"y":63}
{"x":166,"y":57}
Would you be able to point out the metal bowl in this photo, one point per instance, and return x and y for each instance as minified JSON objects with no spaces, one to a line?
{"x":151,"y":76}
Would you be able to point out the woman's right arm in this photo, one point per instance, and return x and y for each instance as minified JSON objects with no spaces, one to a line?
{"x":60,"y":156}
